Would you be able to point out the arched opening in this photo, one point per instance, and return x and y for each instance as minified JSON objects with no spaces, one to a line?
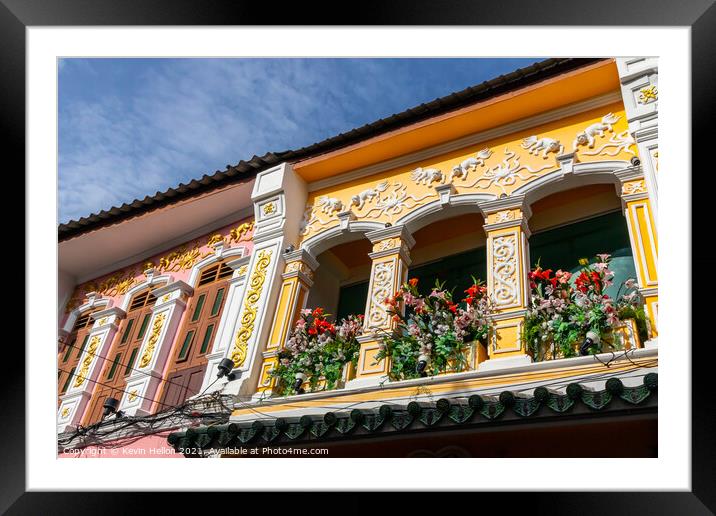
{"x":450,"y":250}
{"x":579,"y":223}
{"x":195,"y":339}
{"x":340,"y":283}
{"x":119,"y":362}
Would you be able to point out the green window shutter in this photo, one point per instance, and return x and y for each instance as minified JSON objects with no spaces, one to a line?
{"x":130,"y":362}
{"x":82,"y":347}
{"x":113,"y":369}
{"x":67,"y":381}
{"x":207,"y":339}
{"x":217,"y":302}
{"x":127,"y":330}
{"x":185,"y":346}
{"x":197,"y":309}
{"x":143,"y":327}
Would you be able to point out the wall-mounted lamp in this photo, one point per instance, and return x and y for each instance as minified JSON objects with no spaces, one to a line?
{"x":110,"y":407}
{"x":225,"y":367}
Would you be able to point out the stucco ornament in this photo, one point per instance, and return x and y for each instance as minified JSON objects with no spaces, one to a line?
{"x":383,"y":276}
{"x":427,"y":176}
{"x":506,"y":173}
{"x":460,"y":171}
{"x":621,"y":142}
{"x":587,"y":137}
{"x":368,"y":195}
{"x":535,"y":145}
{"x":329,"y":205}
{"x":153,"y":339}
{"x":395,"y":202}
{"x":87,"y":360}
{"x":504,"y":269}
{"x":248,"y":317}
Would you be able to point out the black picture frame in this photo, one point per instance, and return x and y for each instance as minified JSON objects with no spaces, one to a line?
{"x":17,"y":15}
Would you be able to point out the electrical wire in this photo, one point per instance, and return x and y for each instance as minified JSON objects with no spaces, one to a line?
{"x":161,"y":378}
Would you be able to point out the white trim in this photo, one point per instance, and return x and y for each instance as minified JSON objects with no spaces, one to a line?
{"x":74,"y":314}
{"x":438,"y":210}
{"x":583,"y":174}
{"x":227,"y":253}
{"x":383,"y":384}
{"x":467,"y":141}
{"x":141,"y":286}
{"x":335,"y":236}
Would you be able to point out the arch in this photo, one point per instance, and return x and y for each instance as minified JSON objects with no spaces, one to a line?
{"x":95,"y":302}
{"x":438,"y":210}
{"x":582,"y":174}
{"x":338,"y":235}
{"x":145,"y":284}
{"x":218,"y":256}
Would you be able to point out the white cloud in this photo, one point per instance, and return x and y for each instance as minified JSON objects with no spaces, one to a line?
{"x":193,"y":116}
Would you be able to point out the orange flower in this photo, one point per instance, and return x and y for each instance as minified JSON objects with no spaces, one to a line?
{"x":413,"y":282}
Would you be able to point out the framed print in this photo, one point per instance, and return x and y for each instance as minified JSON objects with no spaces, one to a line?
{"x":436,"y":242}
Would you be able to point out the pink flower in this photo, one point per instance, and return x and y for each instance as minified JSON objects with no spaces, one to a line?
{"x":604,"y":257}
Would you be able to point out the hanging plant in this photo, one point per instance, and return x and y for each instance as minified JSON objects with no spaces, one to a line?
{"x":571,"y":315}
{"x":316,"y":351}
{"x":435,"y":334}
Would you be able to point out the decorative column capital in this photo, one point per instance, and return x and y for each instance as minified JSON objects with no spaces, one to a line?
{"x":505,"y":213}
{"x":300,"y":263}
{"x":632,"y":184}
{"x":391,"y":240}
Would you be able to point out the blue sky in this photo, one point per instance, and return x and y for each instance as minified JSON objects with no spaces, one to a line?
{"x":131,"y":127}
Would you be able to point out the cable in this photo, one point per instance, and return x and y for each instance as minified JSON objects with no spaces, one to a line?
{"x":160,"y":377}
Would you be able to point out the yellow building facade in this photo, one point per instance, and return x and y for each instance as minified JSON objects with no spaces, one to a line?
{"x":542,"y":150}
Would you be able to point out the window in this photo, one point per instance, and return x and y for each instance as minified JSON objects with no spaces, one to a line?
{"x":562,"y":247}
{"x":69,"y":356}
{"x":119,"y":361}
{"x":195,"y":338}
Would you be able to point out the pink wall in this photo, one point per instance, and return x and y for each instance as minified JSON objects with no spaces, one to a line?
{"x":134,"y":274}
{"x":149,"y":446}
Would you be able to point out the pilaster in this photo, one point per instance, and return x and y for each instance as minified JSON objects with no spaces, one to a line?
{"x":642,"y":236}
{"x":144,"y":381}
{"x":390,"y":261}
{"x":297,"y":279}
{"x":279,"y":198}
{"x":75,"y":400}
{"x":639,"y":77}
{"x":507,"y":267}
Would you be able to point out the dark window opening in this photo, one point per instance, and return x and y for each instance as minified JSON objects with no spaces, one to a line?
{"x":562,"y":247}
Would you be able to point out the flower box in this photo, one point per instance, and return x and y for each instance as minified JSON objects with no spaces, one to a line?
{"x":621,"y":338}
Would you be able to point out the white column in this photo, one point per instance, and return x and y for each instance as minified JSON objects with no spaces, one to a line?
{"x":144,"y":380}
{"x":279,"y":198}
{"x":639,"y":77}
{"x":75,"y":400}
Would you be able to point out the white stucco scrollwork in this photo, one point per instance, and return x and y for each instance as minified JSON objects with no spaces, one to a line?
{"x":383,"y":278}
{"x":504,"y":268}
{"x":506,"y":173}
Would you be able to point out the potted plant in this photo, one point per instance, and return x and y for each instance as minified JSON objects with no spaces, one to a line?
{"x":436,"y":335}
{"x":571,"y":315}
{"x":317,"y":352}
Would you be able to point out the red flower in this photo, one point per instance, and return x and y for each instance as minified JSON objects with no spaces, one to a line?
{"x":318,"y":312}
{"x":312,"y":331}
{"x":413,"y":282}
{"x":452,"y":307}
